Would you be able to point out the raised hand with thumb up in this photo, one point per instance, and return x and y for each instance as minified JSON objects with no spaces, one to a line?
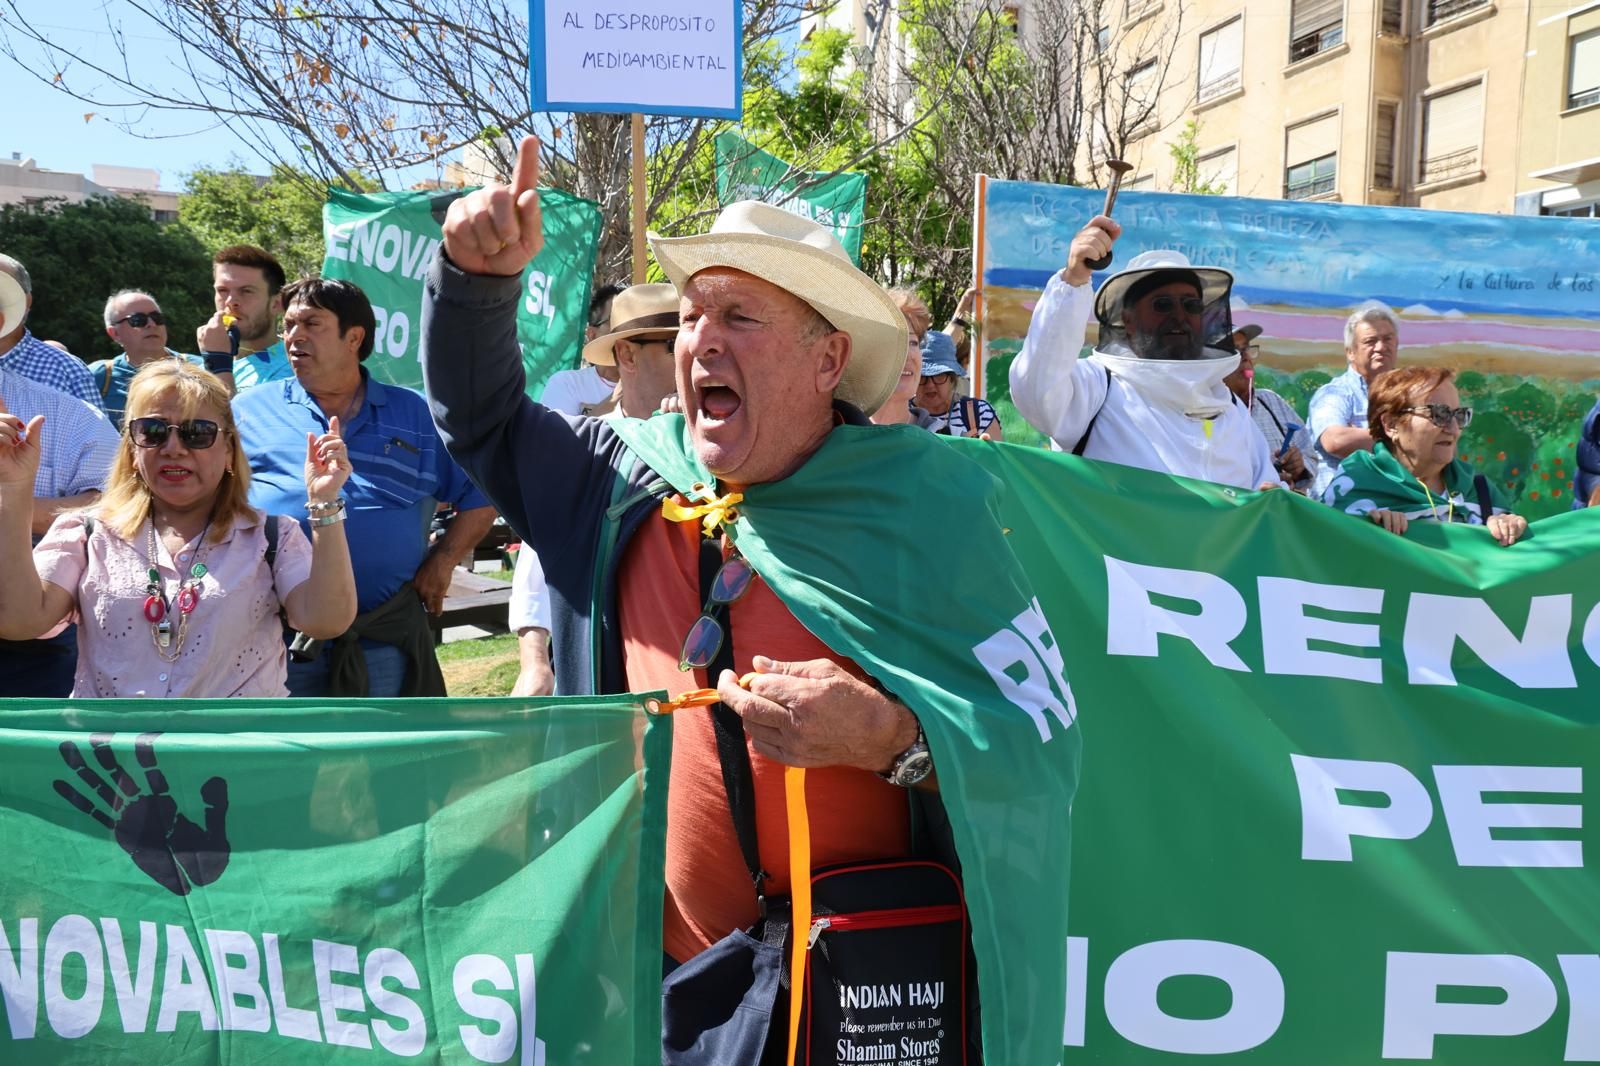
{"x":19,"y":448}
{"x":497,"y":230}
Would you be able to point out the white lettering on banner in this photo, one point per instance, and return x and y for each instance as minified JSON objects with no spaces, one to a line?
{"x":1287,"y":631}
{"x":393,"y":333}
{"x":234,"y":982}
{"x":1028,"y":643}
{"x":1582,"y":974}
{"x":70,"y":1018}
{"x":499,"y":1043}
{"x":1328,"y":825}
{"x":1461,"y":790}
{"x":1134,"y":622}
{"x":328,"y":959}
{"x":1132,"y":996}
{"x":1541,"y":658}
{"x":1538,"y":660}
{"x":1135,"y":978}
{"x":1413,"y":1014}
{"x":19,"y":978}
{"x":392,"y":249}
{"x":133,"y":997}
{"x":540,"y":300}
{"x":361,"y":999}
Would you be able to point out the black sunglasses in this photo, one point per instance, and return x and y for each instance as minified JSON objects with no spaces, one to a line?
{"x":1441,"y":414}
{"x":704,"y":639}
{"x":197,"y":433}
{"x":141,"y":319}
{"x":1164,"y":304}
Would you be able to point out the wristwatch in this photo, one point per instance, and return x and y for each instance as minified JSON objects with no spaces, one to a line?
{"x":912,"y":766}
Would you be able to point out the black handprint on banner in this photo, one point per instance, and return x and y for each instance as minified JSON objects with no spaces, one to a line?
{"x":175,"y":852}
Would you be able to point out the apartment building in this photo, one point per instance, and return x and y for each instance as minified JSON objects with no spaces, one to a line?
{"x":22,"y":180}
{"x":1460,"y":105}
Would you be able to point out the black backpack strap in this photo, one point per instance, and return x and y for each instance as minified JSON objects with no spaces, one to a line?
{"x":271,"y":554}
{"x":1083,"y":441}
{"x":738,"y":780}
{"x":1480,"y":485}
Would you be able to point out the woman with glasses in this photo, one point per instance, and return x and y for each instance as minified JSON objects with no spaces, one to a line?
{"x":1412,"y":473}
{"x":175,"y":586}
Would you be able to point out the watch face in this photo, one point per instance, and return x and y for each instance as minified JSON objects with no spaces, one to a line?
{"x":916,"y":766}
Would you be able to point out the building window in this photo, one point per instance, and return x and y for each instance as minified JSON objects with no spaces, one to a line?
{"x":1219,"y":171}
{"x":1141,"y":90}
{"x":1583,"y":70}
{"x":1452,"y":132}
{"x":1143,"y":183}
{"x":1392,"y":16}
{"x":1138,"y":9}
{"x":1220,"y":53}
{"x":1102,"y":40}
{"x":1589,"y":210}
{"x":1311,"y":158}
{"x":1315,"y":26}
{"x":1383,"y":140}
{"x":1439,"y":10}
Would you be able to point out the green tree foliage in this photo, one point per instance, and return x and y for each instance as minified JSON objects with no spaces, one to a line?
{"x":78,"y":254}
{"x":282,"y":214}
{"x":1185,"y":152}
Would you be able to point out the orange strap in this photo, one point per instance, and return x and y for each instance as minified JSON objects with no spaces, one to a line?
{"x":794,"y":794}
{"x":696,"y":697}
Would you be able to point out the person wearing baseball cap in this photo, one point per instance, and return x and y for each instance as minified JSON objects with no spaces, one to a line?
{"x":783,"y":348}
{"x":1151,"y":394}
{"x":1280,"y":424}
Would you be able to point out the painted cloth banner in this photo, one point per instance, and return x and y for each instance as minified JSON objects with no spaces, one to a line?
{"x":745,"y":172}
{"x":1511,"y":302}
{"x":385,"y":243}
{"x":254,"y":881}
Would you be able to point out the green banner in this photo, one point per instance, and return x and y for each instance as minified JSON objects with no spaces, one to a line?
{"x":250,"y":881}
{"x":839,"y":201}
{"x":385,"y":242}
{"x":1333,"y":806}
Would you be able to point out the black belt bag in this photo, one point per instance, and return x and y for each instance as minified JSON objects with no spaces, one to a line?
{"x":886,"y":951}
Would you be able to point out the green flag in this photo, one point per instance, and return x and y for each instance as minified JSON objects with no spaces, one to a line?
{"x":1333,"y":804}
{"x":258,"y":881}
{"x":839,"y":201}
{"x":385,"y":243}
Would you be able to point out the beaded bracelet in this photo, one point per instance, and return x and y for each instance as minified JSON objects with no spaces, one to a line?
{"x":323,"y":507}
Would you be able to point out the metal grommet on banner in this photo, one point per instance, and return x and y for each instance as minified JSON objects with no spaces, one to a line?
{"x":654,"y":707}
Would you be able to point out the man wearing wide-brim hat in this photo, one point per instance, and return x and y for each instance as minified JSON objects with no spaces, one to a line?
{"x":638,"y":342}
{"x":1152,"y":393}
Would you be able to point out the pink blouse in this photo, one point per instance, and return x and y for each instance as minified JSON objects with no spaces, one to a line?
{"x":234,"y":644}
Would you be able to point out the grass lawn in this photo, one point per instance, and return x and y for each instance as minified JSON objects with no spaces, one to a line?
{"x":486,"y":666}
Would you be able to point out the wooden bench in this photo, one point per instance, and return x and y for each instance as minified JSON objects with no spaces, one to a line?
{"x":473,"y":600}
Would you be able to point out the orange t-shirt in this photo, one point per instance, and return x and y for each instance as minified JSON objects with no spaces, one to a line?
{"x":854,"y":814}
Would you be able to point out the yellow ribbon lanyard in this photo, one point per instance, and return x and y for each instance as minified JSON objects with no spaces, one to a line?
{"x":1450,"y":513}
{"x":712,"y":513}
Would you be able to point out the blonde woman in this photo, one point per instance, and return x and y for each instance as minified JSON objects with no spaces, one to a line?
{"x":170,"y":576}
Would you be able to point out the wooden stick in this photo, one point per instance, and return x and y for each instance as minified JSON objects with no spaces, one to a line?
{"x":639,"y":221}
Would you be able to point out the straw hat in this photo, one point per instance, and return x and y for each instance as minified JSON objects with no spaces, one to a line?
{"x":635,"y":311}
{"x":13,"y":304}
{"x":1108,"y":302}
{"x":806,"y":260}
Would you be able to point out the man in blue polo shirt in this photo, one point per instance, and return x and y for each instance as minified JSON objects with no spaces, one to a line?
{"x":401,"y":474}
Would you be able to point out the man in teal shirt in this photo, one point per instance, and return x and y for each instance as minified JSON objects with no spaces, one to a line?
{"x":134,"y":320}
{"x":246,"y":284}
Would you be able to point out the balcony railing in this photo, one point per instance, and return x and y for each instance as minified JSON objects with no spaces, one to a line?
{"x":1449,"y":165}
{"x":1220,"y":86}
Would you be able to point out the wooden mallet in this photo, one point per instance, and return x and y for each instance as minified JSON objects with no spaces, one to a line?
{"x":1118,"y":168}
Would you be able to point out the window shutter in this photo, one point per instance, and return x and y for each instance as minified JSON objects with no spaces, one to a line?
{"x":1221,"y":170}
{"x":1452,"y":125}
{"x":1313,"y":140}
{"x":1311,"y":16}
{"x":1383,"y":146}
{"x":1583,"y":79}
{"x":1221,"y":52}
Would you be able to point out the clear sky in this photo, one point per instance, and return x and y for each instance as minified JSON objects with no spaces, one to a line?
{"x":49,"y":125}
